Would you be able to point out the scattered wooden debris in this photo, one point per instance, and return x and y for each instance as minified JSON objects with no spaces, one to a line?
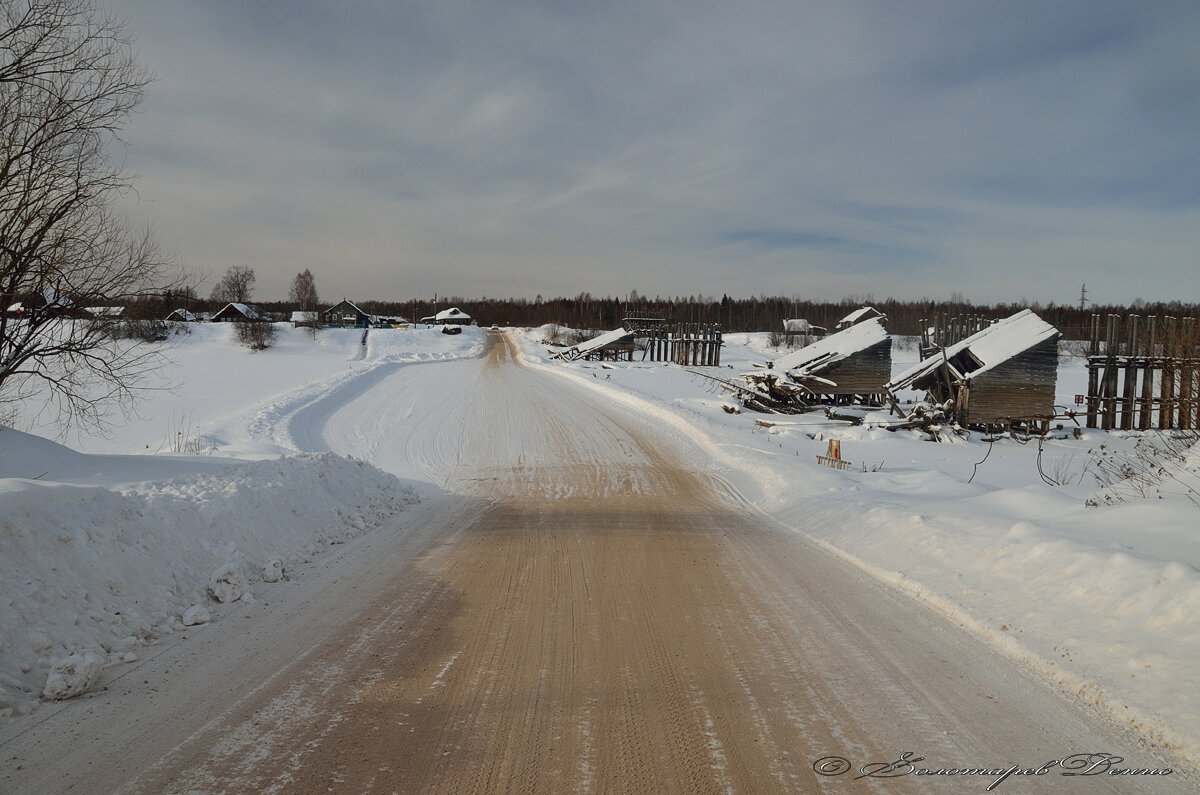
{"x":850,"y":418}
{"x":849,"y":367}
{"x":833,"y":456}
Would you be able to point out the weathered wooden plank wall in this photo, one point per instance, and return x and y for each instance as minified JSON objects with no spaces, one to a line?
{"x":862,"y":375}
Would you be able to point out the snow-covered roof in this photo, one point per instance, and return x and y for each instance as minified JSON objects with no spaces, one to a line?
{"x":833,"y":348}
{"x":105,"y":311}
{"x":183,"y":314}
{"x":246,"y":310}
{"x":991,"y":346}
{"x":595,"y":343}
{"x":858,"y":315}
{"x":453,"y":313}
{"x":798,"y":326}
{"x":350,"y":304}
{"x":304,"y":317}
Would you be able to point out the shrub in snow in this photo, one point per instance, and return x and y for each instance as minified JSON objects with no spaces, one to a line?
{"x":72,"y":675}
{"x":196,"y":614}
{"x":273,"y":571}
{"x":228,"y":583}
{"x":255,"y":336}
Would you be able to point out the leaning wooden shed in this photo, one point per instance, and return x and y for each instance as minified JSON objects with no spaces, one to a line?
{"x":613,"y":345}
{"x":1002,"y":374}
{"x":852,"y":364}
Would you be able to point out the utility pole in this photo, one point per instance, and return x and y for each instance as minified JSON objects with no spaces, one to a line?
{"x":1083,"y":297}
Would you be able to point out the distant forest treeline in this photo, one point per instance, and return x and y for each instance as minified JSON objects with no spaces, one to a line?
{"x":757,"y":313}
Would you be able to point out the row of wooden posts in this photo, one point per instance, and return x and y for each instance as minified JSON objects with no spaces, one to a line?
{"x":1143,"y":373}
{"x":693,"y":344}
{"x":946,"y":330}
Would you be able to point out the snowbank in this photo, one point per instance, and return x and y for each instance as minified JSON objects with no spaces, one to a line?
{"x":89,"y":572}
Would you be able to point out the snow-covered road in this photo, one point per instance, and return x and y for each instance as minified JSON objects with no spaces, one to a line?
{"x":587,"y":605}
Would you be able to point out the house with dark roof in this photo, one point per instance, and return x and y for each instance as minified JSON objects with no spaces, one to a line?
{"x":240,"y":313}
{"x":345,"y":313}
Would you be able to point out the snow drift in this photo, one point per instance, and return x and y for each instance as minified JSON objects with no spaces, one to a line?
{"x":89,"y":575}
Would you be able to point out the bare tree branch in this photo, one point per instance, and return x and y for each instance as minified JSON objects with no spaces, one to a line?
{"x":68,"y":82}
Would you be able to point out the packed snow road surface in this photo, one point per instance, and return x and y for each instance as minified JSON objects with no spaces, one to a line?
{"x":590,"y":608}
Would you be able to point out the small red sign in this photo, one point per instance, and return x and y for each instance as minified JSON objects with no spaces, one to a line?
{"x":1079,"y":400}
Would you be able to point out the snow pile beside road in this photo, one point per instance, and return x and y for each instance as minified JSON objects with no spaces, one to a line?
{"x":88,"y":570}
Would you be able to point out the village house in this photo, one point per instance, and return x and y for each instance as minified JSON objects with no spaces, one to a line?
{"x":800,"y":331}
{"x":236,"y":312}
{"x":183,"y":316}
{"x":452,"y":316}
{"x":345,"y":313}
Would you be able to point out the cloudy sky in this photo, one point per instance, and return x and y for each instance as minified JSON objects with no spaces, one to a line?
{"x":1004,"y":150}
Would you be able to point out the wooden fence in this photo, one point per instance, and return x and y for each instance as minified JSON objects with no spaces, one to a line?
{"x":1143,"y":373}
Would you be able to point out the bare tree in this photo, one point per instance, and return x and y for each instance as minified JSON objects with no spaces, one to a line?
{"x":304,"y":292}
{"x":68,"y":82}
{"x":235,"y":286}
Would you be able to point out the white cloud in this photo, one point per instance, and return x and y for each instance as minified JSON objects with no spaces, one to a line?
{"x":517,"y":148}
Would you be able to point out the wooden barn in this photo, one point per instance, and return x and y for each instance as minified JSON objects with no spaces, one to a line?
{"x":1001,"y":375}
{"x":183,"y":316}
{"x":850,"y":366}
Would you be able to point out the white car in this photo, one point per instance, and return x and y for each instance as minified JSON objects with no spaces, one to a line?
{"x":495,"y":327}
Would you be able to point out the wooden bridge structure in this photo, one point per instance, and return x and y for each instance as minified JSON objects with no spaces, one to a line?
{"x":691,"y":344}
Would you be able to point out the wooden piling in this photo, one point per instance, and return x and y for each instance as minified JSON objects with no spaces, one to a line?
{"x":1093,"y":401}
{"x":1147,"y":400}
{"x":1131,"y":373}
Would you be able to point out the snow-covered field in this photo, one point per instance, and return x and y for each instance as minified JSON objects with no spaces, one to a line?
{"x":107,"y":547}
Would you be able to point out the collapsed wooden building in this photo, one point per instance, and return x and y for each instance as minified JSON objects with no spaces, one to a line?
{"x":616,"y":345}
{"x":851,"y":366}
{"x":1002,"y":375}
